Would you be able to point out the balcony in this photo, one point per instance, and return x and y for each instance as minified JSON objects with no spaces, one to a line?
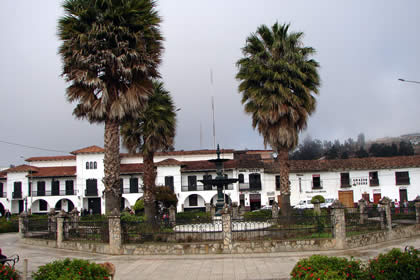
{"x":374,"y":182}
{"x":3,"y":194}
{"x":345,"y":184}
{"x":249,"y":187}
{"x":317,"y":185}
{"x":203,"y":188}
{"x":131,"y":190}
{"x":403,"y":181}
{"x":16,"y":195}
{"x":90,"y":192}
{"x":53,"y":193}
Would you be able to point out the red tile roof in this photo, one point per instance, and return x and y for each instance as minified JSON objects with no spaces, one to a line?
{"x":168,"y":162}
{"x":371,"y":163}
{"x":52,"y":158}
{"x":204,"y":165}
{"x":21,"y":168}
{"x":89,"y":150}
{"x":131,"y":168}
{"x":62,"y":171}
{"x":180,"y":153}
{"x":3,"y":175}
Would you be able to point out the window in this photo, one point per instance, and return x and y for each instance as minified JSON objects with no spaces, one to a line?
{"x":87,"y":165}
{"x":207,"y":187}
{"x":241,"y":178}
{"x":17,"y":190}
{"x":43,"y":205}
{"x":255,"y":181}
{"x":69,"y":187}
{"x":55,"y":187}
{"x":95,"y":165}
{"x":91,"y":165}
{"x":169,"y":182}
{"x":345,"y":180}
{"x":192,"y":183}
{"x":278,"y":182}
{"x":121,"y":185}
{"x":316,"y":182}
{"x":134,"y":185}
{"x":1,"y":190}
{"x":193,"y":200}
{"x":402,"y":178}
{"x":40,"y":185}
{"x":91,"y":187}
{"x":373,"y":179}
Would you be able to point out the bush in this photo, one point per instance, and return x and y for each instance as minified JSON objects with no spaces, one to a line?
{"x":193,"y":216}
{"x":258,"y":215}
{"x":8,"y":273}
{"x":319,"y":198}
{"x":9,"y":226}
{"x":139,"y":206}
{"x":71,"y":269}
{"x":127,"y":217}
{"x":396,"y":265}
{"x":323,"y":267}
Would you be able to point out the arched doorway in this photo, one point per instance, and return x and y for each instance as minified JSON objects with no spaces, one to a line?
{"x":194,"y":202}
{"x":2,"y":210}
{"x":39,"y":206}
{"x":213,"y":200}
{"x":64,"y":204}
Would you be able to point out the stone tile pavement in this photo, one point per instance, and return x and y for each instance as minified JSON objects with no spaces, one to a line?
{"x":192,"y":267}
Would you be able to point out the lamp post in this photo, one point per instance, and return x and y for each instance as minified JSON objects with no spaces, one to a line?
{"x":407,"y":81}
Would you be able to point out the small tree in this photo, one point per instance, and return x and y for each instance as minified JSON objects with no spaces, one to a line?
{"x":318,"y":199}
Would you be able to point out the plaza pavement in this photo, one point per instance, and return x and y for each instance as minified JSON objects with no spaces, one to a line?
{"x":201,"y":267}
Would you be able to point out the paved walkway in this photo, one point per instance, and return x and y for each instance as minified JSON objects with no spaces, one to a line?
{"x":243,"y":266}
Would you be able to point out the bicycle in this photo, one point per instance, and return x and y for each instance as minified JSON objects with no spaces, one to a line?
{"x":10,"y":261}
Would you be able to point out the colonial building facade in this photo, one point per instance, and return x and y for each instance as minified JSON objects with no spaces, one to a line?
{"x":75,"y":180}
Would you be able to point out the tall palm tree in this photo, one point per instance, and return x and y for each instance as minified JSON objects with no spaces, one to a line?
{"x":152,"y":131}
{"x":110,"y":51}
{"x":277,"y":81}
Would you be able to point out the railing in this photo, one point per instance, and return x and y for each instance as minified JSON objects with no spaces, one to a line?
{"x":16,"y":195}
{"x":53,"y":193}
{"x":403,"y":213}
{"x":3,"y":194}
{"x":374,"y":182}
{"x":359,"y":223}
{"x":203,"y":188}
{"x":402,"y":181}
{"x":317,"y":186}
{"x":132,"y":190}
{"x":282,"y":228}
{"x":93,"y":230}
{"x":91,"y":192}
{"x":164,"y":231}
{"x":345,"y":184}
{"x":40,"y":227}
{"x":251,"y":187}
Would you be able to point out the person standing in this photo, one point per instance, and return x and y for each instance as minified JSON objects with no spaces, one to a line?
{"x":397,"y":206}
{"x":8,"y":215}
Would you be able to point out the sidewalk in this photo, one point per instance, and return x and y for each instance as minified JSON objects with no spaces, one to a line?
{"x":202,"y":267}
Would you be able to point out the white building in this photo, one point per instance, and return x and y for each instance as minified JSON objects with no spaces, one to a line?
{"x":66,"y":182}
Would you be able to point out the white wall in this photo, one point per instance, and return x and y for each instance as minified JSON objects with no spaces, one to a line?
{"x":55,"y":163}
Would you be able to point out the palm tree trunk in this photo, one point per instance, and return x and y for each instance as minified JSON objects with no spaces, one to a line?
{"x":112,"y":166}
{"x":283,"y":157}
{"x":149,"y":178}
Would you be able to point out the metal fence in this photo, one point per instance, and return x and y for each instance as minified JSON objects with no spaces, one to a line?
{"x":96,"y":231}
{"x":403,"y":213}
{"x":358,"y":223}
{"x":164,"y":231}
{"x":291,"y":227}
{"x":40,"y":227}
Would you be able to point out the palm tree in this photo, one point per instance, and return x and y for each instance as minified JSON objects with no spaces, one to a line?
{"x":277,"y":82}
{"x":152,"y":131}
{"x":110,"y":50}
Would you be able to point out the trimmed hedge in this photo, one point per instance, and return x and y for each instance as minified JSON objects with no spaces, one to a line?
{"x":258,"y":215}
{"x":71,"y":269}
{"x":9,"y":226}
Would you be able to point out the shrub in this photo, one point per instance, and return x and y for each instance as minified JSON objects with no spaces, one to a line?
{"x":127,"y":217}
{"x":9,"y":226}
{"x":139,"y":206}
{"x":319,"y":198}
{"x":8,"y":273}
{"x":258,"y":215}
{"x":193,"y":216}
{"x":396,"y":265}
{"x":71,"y":269}
{"x":323,"y":267}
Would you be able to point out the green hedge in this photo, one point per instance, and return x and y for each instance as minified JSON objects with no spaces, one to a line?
{"x":258,"y":215}
{"x":9,"y":226}
{"x":71,"y":269}
{"x":193,"y":216}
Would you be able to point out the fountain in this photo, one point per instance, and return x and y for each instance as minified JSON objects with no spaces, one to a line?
{"x":220,"y":181}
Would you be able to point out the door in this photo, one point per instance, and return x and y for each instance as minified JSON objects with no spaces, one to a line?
{"x":69,"y":187}
{"x":255,"y":201}
{"x":55,"y":187}
{"x":366,"y":197}
{"x":95,"y":205}
{"x":346,"y":197}
{"x":403,"y":196}
{"x":376,"y":198}
{"x":41,"y":188}
{"x":20,"y":206}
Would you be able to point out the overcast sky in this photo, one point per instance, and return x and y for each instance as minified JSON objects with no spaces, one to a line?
{"x":363,"y":47}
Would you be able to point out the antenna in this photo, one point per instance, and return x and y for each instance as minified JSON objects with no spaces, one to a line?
{"x":212,"y":108}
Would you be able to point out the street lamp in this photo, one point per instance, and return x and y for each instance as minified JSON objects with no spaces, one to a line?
{"x":407,"y":81}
